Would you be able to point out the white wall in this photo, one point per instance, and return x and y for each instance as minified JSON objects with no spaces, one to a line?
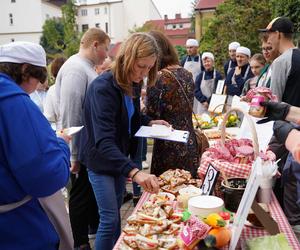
{"x":28,"y":19}
{"x":122,"y":16}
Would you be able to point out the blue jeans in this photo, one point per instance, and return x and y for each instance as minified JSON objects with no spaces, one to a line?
{"x":109,"y":192}
{"x":138,"y":161}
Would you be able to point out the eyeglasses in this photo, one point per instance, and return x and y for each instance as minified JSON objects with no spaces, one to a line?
{"x":266,"y":48}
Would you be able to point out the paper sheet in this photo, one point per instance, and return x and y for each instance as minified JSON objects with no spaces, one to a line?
{"x":174,"y":135}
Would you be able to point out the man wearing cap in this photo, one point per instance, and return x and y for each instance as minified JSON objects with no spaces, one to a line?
{"x":285,"y":77}
{"x":71,"y":85}
{"x":206,"y":81}
{"x":237,"y":76}
{"x":34,"y":163}
{"x":231,"y":63}
{"x":285,"y":83}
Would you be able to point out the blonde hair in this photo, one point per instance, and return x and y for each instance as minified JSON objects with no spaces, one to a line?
{"x":138,"y":45}
{"x":259,"y":58}
{"x":92,"y":35}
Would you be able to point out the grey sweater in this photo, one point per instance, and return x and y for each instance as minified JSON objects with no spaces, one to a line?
{"x":71,"y":85}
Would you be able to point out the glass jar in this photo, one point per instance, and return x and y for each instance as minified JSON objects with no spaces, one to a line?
{"x":256,"y":109}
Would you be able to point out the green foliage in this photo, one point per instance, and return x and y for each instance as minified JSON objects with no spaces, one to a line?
{"x":235,"y":20}
{"x":290,"y":9}
{"x":71,"y":39}
{"x":53,"y":35}
{"x":181,"y":51}
{"x":59,"y":34}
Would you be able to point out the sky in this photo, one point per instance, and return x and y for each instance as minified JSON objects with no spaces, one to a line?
{"x":171,"y":7}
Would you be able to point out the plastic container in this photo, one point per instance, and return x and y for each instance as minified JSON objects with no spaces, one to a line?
{"x":233,"y":195}
{"x":185,"y":194}
{"x":204,"y":205}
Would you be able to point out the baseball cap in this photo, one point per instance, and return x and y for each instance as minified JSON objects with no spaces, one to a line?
{"x":281,"y":24}
{"x":23,"y":52}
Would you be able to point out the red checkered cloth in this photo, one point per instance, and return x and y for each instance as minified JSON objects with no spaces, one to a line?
{"x":230,"y":169}
{"x":283,"y":224}
{"x":248,"y":231}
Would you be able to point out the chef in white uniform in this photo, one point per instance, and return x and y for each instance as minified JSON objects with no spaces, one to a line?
{"x":192,"y":63}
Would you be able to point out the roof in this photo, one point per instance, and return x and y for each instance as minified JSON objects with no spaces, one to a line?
{"x":208,"y":4}
{"x":176,"y":20}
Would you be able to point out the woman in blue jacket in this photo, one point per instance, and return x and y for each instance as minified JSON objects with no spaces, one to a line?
{"x":34,"y":163}
{"x":111,"y":118}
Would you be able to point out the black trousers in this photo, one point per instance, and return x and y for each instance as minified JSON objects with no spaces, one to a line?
{"x":83,"y":209}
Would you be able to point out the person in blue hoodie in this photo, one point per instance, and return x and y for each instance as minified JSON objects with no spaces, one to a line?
{"x":237,"y":76}
{"x":34,"y":162}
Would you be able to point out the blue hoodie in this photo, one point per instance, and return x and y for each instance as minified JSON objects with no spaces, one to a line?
{"x":33,"y":161}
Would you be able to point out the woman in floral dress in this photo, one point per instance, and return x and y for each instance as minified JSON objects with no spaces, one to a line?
{"x":166,"y":100}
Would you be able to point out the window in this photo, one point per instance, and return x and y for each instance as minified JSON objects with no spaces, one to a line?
{"x":97,"y":25}
{"x":97,"y":11}
{"x":12,"y":40}
{"x":11,"y":20}
{"x":174,"y":26}
{"x":84,"y":12}
{"x":13,"y":1}
{"x":106,"y":27}
{"x":105,"y":10}
{"x":181,"y":26}
{"x":85,"y":27}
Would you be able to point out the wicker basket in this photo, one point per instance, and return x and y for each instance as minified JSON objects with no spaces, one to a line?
{"x":230,"y":169}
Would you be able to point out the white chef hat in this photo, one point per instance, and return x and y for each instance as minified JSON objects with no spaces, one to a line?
{"x":208,"y":55}
{"x":192,"y":43}
{"x":233,"y":45}
{"x":23,"y":52}
{"x":244,"y":50}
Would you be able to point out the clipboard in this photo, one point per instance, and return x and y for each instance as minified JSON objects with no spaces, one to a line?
{"x":173,"y":135}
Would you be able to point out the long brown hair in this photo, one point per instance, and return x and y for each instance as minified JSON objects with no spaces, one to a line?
{"x":138,"y":45}
{"x":168,"y":55}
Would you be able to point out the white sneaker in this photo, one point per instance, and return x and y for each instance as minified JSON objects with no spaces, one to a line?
{"x":145,"y":165}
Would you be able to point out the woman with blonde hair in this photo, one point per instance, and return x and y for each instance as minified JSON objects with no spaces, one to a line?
{"x":171,"y":99}
{"x":111,"y":118}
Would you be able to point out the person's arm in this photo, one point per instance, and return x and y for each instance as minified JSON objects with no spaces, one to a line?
{"x":232,"y":89}
{"x":182,"y":62}
{"x":38,"y":159}
{"x":198,"y":93}
{"x":49,"y":106}
{"x":72,"y":93}
{"x":280,"y":71}
{"x":226,"y":65}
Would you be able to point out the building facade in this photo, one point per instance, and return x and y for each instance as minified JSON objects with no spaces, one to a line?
{"x":177,"y":29}
{"x":115,"y":17}
{"x":204,"y":11}
{"x":23,"y":20}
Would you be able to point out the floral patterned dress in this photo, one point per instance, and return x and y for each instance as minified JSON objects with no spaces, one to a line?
{"x":166,"y":101}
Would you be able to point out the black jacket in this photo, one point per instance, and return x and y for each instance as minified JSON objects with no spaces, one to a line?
{"x":106,"y":141}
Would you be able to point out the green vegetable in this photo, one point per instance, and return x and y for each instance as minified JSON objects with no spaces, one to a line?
{"x":276,"y":242}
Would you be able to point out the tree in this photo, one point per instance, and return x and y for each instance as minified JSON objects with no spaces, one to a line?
{"x":235,"y":20}
{"x":193,"y":16}
{"x":53,"y":35}
{"x":71,"y":38}
{"x":290,"y":9}
{"x":181,"y":51}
